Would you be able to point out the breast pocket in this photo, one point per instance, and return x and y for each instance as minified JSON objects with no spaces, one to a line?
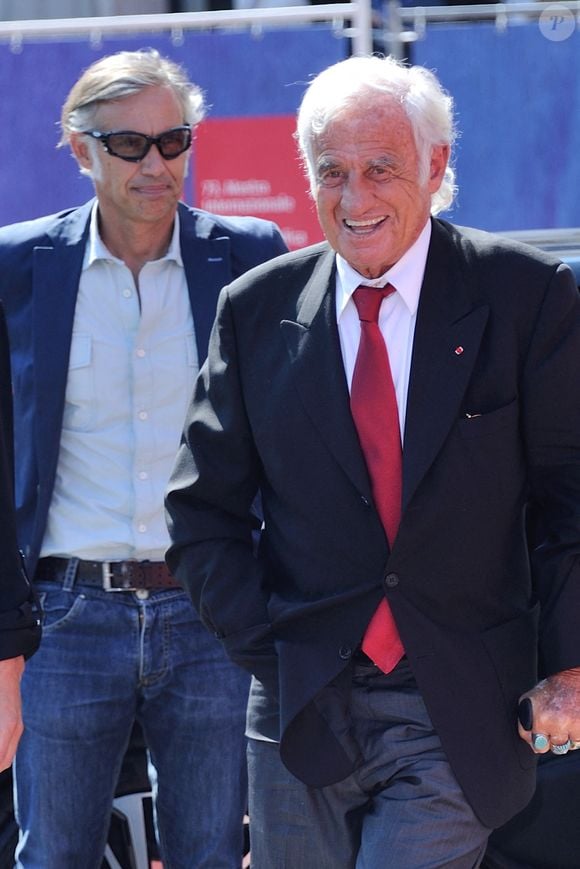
{"x":80,"y":399}
{"x":491,"y":423}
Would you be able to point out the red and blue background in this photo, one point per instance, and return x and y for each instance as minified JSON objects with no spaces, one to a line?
{"x":517,"y":97}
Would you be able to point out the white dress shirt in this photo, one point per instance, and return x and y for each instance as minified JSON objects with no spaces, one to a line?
{"x":397,"y":316}
{"x":132,"y":366}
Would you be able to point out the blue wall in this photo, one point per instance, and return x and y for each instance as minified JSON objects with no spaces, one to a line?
{"x":517,"y":97}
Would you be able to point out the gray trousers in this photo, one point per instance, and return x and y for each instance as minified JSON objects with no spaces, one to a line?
{"x":401,"y":809}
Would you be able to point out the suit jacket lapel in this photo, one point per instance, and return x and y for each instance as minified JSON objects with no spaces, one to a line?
{"x":450,"y":325}
{"x":207,"y":269}
{"x":56,"y":271}
{"x":314,"y":348}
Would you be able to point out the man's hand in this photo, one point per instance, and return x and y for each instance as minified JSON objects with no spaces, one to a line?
{"x":11,"y":671}
{"x":555,"y":713}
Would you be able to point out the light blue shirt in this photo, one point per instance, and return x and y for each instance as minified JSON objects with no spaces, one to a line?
{"x":133,"y":362}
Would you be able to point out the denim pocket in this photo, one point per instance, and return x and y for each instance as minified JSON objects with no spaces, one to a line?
{"x":59,"y":608}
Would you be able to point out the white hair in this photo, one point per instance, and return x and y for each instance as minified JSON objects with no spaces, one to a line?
{"x":427,"y":106}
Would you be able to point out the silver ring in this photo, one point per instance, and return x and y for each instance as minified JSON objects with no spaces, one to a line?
{"x":539,"y":741}
{"x":561,"y":749}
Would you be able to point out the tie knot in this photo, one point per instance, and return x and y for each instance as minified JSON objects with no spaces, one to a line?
{"x":368,"y":301}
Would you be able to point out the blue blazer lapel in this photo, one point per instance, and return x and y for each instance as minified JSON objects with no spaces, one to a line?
{"x":207,"y":264}
{"x":56,"y":269}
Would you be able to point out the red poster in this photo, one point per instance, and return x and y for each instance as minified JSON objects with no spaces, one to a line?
{"x":251,"y":166}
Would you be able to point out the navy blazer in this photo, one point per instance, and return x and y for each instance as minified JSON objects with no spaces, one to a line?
{"x":40,"y":267}
{"x":492,"y":430}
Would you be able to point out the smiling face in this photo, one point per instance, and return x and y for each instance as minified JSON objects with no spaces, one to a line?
{"x":371,"y":204}
{"x":145,"y":192}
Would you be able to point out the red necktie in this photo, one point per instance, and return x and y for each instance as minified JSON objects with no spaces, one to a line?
{"x":374,"y":408}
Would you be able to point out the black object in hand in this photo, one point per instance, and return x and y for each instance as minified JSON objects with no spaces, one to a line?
{"x":526,"y":713}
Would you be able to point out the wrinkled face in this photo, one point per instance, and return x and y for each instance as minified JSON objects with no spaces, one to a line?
{"x":143,"y":192}
{"x":371,"y":205}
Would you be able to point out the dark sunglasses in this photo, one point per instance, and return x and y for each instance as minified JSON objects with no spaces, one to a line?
{"x":133,"y":147}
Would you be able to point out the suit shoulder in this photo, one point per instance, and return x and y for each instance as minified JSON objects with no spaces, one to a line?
{"x":289,"y":269}
{"x":251,"y":240}
{"x":505,"y":272}
{"x":216,"y":225}
{"x":478,"y":244}
{"x":32,"y":231}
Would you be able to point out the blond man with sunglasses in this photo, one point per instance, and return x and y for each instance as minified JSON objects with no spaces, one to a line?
{"x":109,"y":308}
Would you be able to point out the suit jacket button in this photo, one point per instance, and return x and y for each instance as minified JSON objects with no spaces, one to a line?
{"x":345,"y":652}
{"x":391,"y":580}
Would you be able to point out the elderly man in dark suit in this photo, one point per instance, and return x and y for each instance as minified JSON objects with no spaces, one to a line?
{"x":404,"y":396}
{"x":109,"y":308}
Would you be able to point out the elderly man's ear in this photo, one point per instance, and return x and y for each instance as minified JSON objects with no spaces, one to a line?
{"x":439,"y":160}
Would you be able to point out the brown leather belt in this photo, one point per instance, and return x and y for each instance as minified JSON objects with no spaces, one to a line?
{"x":108,"y":575}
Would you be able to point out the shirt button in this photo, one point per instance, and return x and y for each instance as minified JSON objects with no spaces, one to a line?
{"x":142,"y":593}
{"x":345,"y":652}
{"x":143,"y":475}
{"x":127,"y":294}
{"x":142,"y":528}
{"x":140,"y":353}
{"x":391,"y":580}
{"x":143,"y":414}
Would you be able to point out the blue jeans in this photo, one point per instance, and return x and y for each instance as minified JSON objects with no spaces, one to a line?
{"x":107,"y":659}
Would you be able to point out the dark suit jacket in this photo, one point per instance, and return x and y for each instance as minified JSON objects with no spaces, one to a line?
{"x":40,"y":267}
{"x":498,"y":338}
{"x":19,"y":625}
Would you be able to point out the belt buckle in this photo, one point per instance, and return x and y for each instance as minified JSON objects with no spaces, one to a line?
{"x":107,"y":577}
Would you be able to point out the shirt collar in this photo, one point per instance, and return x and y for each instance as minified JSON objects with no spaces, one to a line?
{"x":96,"y":249}
{"x":406,"y":275}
